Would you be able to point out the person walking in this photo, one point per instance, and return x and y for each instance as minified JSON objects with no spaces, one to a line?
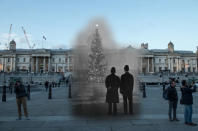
{"x":173,"y":100}
{"x":112,"y":83}
{"x":21,"y":99}
{"x":126,"y":89}
{"x":46,"y":85}
{"x":187,"y":100}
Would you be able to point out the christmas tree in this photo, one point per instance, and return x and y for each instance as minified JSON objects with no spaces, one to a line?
{"x":97,"y":66}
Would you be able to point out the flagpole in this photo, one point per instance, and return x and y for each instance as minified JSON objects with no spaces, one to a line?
{"x":42,"y":43}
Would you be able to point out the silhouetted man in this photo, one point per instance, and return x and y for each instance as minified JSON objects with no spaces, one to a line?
{"x":173,"y":100}
{"x":21,"y":99}
{"x":112,"y":83}
{"x":46,"y":85}
{"x":126,"y":89}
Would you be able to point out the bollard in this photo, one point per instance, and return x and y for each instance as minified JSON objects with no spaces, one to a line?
{"x":4,"y":94}
{"x":69,"y":91}
{"x":50,"y":92}
{"x":144,"y":91}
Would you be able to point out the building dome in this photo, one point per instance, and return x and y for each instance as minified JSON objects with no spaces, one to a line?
{"x":12,"y":45}
{"x":170,"y":47}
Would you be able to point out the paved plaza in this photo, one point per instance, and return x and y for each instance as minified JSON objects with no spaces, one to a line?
{"x":64,"y":114}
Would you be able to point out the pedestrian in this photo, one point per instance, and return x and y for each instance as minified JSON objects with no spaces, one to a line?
{"x":46,"y":85}
{"x":112,"y":83}
{"x":164,"y":86}
{"x":187,"y":101}
{"x":126,"y":89}
{"x":144,"y":90}
{"x":21,"y":99}
{"x":173,"y":100}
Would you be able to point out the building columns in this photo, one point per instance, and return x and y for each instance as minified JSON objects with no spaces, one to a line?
{"x":148,"y":65}
{"x":36,"y":64}
{"x":152,"y":64}
{"x":141,"y":64}
{"x":3,"y":64}
{"x":44,"y":66}
{"x":49,"y":64}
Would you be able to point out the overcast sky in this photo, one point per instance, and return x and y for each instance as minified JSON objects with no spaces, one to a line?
{"x":131,"y":21}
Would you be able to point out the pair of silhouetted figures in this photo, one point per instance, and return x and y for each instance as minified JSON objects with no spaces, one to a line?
{"x":113,"y":83}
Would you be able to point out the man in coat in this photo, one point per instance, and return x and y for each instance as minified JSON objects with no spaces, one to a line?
{"x":126,"y":89}
{"x":21,"y":99}
{"x":112,"y":83}
{"x":187,"y":100}
{"x":46,"y":85}
{"x":173,"y":100}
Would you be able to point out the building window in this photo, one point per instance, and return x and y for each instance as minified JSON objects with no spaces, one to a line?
{"x":66,"y":68}
{"x":194,"y":69}
{"x":8,"y":59}
{"x":53,"y":69}
{"x":174,"y":69}
{"x":59,"y":60}
{"x":60,"y":69}
{"x":24,"y":59}
{"x":70,"y":68}
{"x":18,"y":60}
{"x":189,"y":70}
{"x":159,"y":60}
{"x":66,"y":60}
{"x":174,"y":61}
{"x":53,"y":59}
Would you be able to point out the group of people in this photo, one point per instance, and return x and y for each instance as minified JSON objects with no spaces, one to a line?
{"x":186,"y":100}
{"x":52,"y":84}
{"x":113,"y":83}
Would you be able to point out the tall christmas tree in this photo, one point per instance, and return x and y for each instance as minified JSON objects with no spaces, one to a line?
{"x":97,"y":65}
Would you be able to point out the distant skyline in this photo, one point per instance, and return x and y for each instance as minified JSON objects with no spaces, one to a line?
{"x":156,"y":22}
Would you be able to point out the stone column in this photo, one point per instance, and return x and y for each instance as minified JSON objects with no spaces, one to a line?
{"x":32,"y":64}
{"x":10,"y":64}
{"x":44,"y":66}
{"x":168,"y":63}
{"x":49,"y":63}
{"x":153,"y":64}
{"x":14,"y":63}
{"x":3,"y":64}
{"x":148,"y":65}
{"x":140,"y":64}
{"x":36,"y":64}
{"x":68,"y":63}
{"x":191,"y":65}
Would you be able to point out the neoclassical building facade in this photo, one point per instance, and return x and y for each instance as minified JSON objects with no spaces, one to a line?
{"x":175,"y":61}
{"x":35,"y":60}
{"x":61,"y":60}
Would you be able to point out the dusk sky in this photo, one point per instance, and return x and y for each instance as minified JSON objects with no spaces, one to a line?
{"x":155,"y":22}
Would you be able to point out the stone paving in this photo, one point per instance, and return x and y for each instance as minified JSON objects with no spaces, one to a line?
{"x":58,"y":114}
